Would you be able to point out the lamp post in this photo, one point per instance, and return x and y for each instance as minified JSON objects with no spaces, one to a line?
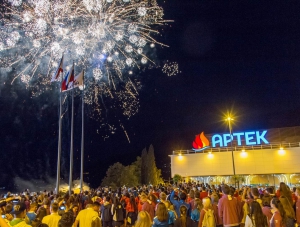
{"x":229,"y":120}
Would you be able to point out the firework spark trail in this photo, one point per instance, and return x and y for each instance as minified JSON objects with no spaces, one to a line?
{"x":110,"y":39}
{"x":125,"y":132}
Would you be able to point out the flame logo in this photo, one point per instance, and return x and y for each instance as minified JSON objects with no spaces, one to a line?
{"x":200,"y":142}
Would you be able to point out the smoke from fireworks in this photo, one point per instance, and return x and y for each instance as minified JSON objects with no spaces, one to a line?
{"x":110,"y":39}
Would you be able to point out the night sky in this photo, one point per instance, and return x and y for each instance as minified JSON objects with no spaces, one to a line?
{"x":236,"y":56}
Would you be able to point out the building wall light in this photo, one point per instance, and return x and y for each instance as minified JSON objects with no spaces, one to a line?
{"x":281,"y":151}
{"x":180,"y":157}
{"x":244,"y":154}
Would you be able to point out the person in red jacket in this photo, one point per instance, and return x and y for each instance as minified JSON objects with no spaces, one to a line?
{"x":229,"y":208}
{"x":131,"y":210}
{"x":203,"y":193}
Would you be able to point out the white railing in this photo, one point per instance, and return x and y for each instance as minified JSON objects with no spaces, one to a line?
{"x":239,"y":148}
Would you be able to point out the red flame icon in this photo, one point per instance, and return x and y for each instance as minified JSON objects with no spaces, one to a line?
{"x":200,"y":141}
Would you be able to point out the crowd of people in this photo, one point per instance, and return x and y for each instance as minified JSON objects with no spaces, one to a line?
{"x":189,"y":204}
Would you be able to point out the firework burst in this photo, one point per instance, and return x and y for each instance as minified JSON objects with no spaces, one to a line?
{"x":110,"y":39}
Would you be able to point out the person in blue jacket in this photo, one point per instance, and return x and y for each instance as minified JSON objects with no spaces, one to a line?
{"x":162,"y":216}
{"x":179,"y":203}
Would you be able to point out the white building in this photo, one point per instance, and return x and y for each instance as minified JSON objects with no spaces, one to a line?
{"x":264,"y":157}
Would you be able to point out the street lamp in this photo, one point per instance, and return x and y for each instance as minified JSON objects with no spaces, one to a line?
{"x":229,"y":120}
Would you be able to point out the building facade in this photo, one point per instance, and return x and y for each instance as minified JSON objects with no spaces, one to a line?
{"x":264,"y":157}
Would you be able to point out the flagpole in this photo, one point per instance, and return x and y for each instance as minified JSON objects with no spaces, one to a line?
{"x":72,"y":133}
{"x":82,"y":135}
{"x":59,"y":138}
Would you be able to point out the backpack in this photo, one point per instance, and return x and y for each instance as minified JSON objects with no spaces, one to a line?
{"x":107,"y":213}
{"x":119,"y":213}
{"x":209,"y":219}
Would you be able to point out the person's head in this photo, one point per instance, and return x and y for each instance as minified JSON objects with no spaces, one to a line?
{"x":33,"y":206}
{"x":153,"y":198}
{"x":192,"y":194}
{"x":162,"y":212}
{"x":214,"y":198}
{"x":254,"y":192}
{"x":66,"y":220}
{"x":19,"y":210}
{"x":270,"y":190}
{"x":276,"y":204}
{"x":107,"y":199}
{"x":206,"y":202}
{"x":255,"y":208}
{"x":168,"y":204}
{"x":143,"y":198}
{"x":198,"y":204}
{"x":143,"y":219}
{"x":133,"y":202}
{"x":8,"y":208}
{"x":231,"y":191}
{"x":226,"y":189}
{"x":282,"y":186}
{"x":46,"y":201}
{"x":266,"y":199}
{"x":54,"y":208}
{"x":257,"y":215}
{"x":182,"y":196}
{"x":96,"y":206}
{"x":163,"y":196}
{"x":197,"y":194}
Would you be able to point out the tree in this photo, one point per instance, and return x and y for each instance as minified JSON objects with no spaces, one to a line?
{"x":113,"y":176}
{"x":153,"y":173}
{"x":137,"y":165}
{"x":144,"y":169}
{"x":177,"y":178}
{"x":151,"y":166}
{"x":141,"y":171}
{"x":129,"y":177}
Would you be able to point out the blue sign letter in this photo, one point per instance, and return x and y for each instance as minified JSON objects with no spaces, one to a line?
{"x":238,"y":137}
{"x":217,"y":139}
{"x":225,"y":140}
{"x":261,"y":137}
{"x":248,"y":137}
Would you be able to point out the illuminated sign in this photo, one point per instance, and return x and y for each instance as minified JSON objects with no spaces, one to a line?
{"x":224,"y":140}
{"x":200,"y":143}
{"x":249,"y":138}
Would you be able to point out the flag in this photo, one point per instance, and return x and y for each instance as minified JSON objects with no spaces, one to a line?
{"x":68,"y":80}
{"x":58,"y":70}
{"x":78,"y":80}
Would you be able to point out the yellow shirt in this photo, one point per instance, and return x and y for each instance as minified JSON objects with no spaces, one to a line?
{"x":51,"y":220}
{"x":86,"y":217}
